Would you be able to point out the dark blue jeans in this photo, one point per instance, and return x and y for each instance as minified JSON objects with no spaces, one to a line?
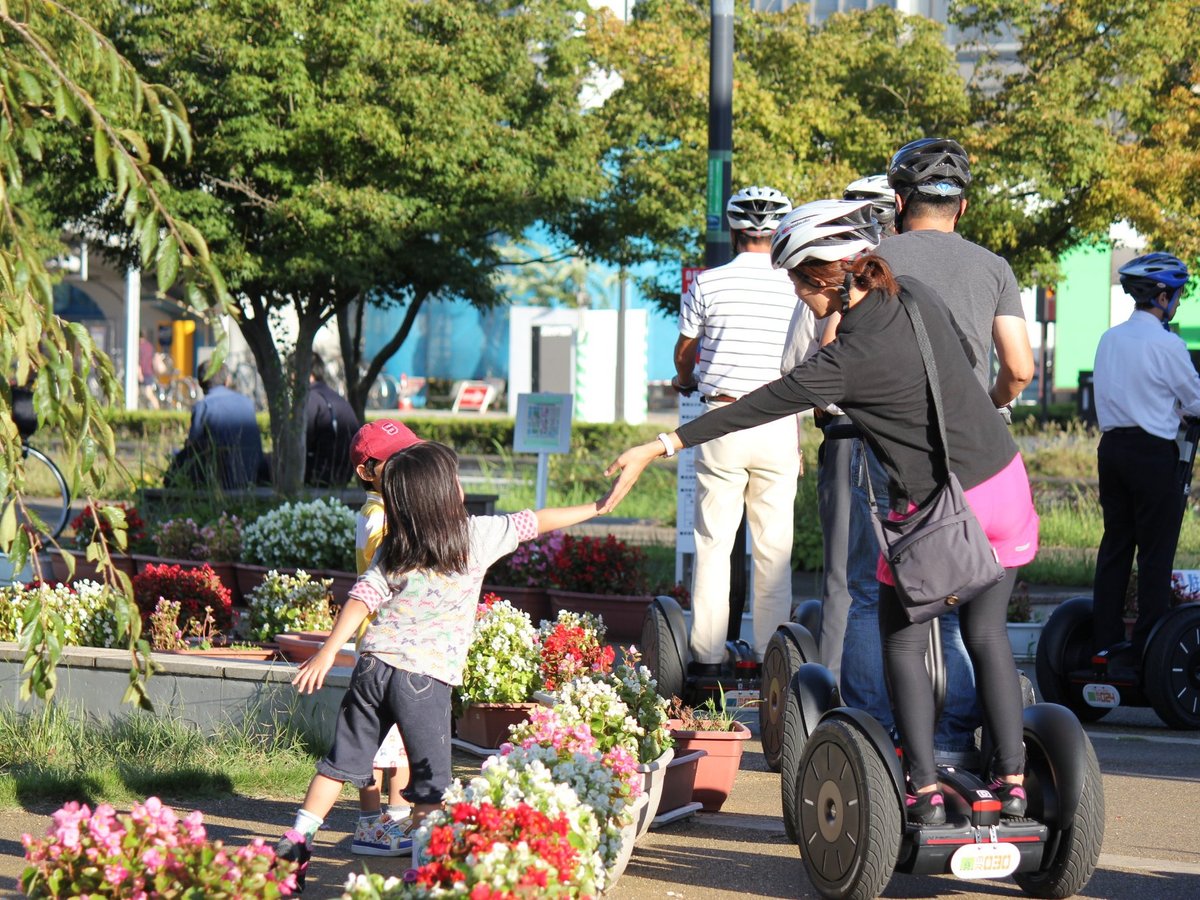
{"x":379,"y":697}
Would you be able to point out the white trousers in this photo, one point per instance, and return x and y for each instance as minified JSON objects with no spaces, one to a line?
{"x":757,"y":468}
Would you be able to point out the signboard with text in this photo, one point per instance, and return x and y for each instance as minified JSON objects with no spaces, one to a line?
{"x":543,"y":423}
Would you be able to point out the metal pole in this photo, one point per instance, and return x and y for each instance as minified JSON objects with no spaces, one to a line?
{"x":133,"y":328}
{"x":622,"y":304}
{"x":720,"y":133}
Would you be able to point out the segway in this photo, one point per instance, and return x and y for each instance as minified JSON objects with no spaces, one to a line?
{"x":791,"y":646}
{"x":665,"y":652}
{"x":1169,"y":678}
{"x":845,"y":807}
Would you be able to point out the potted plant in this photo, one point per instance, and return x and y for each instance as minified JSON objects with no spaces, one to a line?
{"x":712,"y":728}
{"x":183,"y":542}
{"x":515,"y":828}
{"x":293,"y":610}
{"x":522,"y":577}
{"x":147,"y":852}
{"x":85,"y":609}
{"x":571,"y":646}
{"x":603,"y":576}
{"x":194,"y":588}
{"x":501,"y":673}
{"x":317,"y":536}
{"x":95,"y":524}
{"x":607,"y":780}
{"x":200,"y":638}
{"x":1024,"y":629}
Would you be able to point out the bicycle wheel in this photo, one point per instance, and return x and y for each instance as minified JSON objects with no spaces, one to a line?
{"x":186,"y":392}
{"x":46,"y":494}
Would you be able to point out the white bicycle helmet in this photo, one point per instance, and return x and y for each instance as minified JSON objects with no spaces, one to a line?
{"x":757,"y":211}
{"x":876,"y":189}
{"x":824,"y":230}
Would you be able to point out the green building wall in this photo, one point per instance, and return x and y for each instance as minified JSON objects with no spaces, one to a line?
{"x":1084,"y":291}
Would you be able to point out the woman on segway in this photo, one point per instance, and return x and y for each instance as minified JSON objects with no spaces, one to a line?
{"x":874,"y":371}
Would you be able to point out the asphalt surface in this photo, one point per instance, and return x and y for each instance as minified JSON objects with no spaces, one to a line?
{"x":1152,"y":792}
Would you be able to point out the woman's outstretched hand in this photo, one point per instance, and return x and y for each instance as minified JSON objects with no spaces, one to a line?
{"x":630,"y":464}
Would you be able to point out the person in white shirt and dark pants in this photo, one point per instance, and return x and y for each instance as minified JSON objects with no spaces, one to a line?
{"x":1144,"y":382}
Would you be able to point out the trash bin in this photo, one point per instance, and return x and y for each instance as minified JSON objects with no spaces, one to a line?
{"x":1085,"y":398}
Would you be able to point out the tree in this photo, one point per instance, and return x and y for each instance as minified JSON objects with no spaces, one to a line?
{"x":1099,"y":123}
{"x":63,"y":84}
{"x":371,"y":151}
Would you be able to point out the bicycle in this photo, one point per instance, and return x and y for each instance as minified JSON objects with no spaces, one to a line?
{"x":45,"y":492}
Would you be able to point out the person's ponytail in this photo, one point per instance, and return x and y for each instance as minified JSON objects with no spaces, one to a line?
{"x":871,"y":272}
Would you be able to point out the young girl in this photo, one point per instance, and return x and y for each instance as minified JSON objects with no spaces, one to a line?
{"x":423,"y":587}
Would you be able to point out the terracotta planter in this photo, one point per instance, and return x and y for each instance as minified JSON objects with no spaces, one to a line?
{"x":297,"y":646}
{"x":622,"y":614}
{"x":226,"y":571}
{"x":679,"y":782}
{"x":535,"y":601}
{"x":718,"y":768}
{"x":653,"y":776}
{"x":265,"y":653}
{"x":85,"y":570}
{"x":486,"y":724}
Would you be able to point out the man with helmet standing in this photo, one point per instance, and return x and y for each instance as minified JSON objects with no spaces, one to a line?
{"x":1144,"y":381}
{"x":732,"y":326}
{"x":930,"y":177}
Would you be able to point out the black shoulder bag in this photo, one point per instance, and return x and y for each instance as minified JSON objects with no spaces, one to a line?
{"x":939,"y":555}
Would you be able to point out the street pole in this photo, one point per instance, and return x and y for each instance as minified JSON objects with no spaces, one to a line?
{"x":717,"y":249}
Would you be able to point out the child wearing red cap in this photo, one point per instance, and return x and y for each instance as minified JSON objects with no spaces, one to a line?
{"x":377,"y":833}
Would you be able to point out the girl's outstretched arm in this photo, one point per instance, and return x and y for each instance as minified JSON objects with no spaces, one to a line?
{"x":630,"y":464}
{"x":313,"y":670}
{"x":564,"y":516}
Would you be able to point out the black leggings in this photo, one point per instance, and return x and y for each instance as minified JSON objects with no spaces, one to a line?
{"x":985,"y":634}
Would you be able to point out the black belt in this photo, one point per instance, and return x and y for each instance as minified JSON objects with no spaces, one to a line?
{"x":1130,"y":429}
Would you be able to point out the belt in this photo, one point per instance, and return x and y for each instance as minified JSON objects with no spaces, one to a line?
{"x":1129,"y":429}
{"x":718,"y":398}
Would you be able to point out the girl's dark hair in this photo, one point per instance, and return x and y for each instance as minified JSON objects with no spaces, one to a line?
{"x":426,"y":519}
{"x":868,"y":273}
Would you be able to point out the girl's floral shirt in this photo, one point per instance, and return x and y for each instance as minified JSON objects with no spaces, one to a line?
{"x":424,"y":620}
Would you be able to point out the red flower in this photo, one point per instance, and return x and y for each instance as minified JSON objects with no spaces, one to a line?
{"x":194,"y":589}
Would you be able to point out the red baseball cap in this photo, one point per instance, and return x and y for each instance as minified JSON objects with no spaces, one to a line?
{"x":379,"y":439}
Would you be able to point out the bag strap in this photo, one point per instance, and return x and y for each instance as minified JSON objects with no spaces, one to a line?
{"x":935,"y":387}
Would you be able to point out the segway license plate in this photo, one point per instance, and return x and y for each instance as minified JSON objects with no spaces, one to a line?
{"x":1101,"y":696}
{"x":991,"y":860}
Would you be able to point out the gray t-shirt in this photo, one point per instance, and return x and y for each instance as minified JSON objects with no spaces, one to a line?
{"x":976,"y":284}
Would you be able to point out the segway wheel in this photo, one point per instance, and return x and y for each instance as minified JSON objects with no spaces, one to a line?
{"x":1066,"y":646}
{"x":791,"y":750}
{"x":1171,"y":668}
{"x":660,"y":653}
{"x":780,"y":662}
{"x":1066,"y":871}
{"x":848,"y":813}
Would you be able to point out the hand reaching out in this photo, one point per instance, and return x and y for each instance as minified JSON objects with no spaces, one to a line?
{"x":630,"y":464}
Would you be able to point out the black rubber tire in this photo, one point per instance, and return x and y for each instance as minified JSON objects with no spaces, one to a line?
{"x":1076,"y":624}
{"x":780,"y":663}
{"x":1171,"y":668}
{"x":660,"y":654}
{"x":848,"y":813}
{"x":791,"y":750}
{"x":1078,"y":850}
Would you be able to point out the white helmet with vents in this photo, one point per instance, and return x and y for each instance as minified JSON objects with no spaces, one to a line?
{"x":881,"y":194}
{"x":824,"y":230}
{"x":757,"y":211}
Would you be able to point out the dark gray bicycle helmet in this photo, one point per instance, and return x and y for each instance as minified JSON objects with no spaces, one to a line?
{"x":757,"y":211}
{"x":1147,"y":276}
{"x":937,"y":167}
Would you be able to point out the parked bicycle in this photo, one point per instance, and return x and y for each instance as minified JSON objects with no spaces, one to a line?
{"x":45,"y":495}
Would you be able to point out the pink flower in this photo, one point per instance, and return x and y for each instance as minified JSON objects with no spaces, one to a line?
{"x":153,"y":859}
{"x":115,"y":874}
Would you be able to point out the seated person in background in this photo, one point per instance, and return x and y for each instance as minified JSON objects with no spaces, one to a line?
{"x":330,"y":426}
{"x":224,"y":445}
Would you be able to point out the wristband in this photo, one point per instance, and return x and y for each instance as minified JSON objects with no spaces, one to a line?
{"x":667,"y":445}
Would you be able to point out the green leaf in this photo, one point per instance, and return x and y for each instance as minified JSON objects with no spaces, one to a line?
{"x":8,"y":525}
{"x":168,"y":263}
{"x":101,"y":151}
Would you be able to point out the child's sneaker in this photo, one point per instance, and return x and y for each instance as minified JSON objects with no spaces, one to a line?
{"x":382,"y":836}
{"x":926,"y":809}
{"x":293,"y":847}
{"x":1013,"y":801}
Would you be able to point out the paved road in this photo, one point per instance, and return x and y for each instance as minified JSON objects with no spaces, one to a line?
{"x":1152,"y":791}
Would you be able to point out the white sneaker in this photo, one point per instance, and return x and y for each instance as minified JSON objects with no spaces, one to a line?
{"x":382,"y":836}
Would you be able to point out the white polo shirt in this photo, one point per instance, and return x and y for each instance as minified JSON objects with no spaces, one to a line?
{"x":740,"y":312}
{"x":1144,"y":377}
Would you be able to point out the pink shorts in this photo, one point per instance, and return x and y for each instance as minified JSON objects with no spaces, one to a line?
{"x":1004,"y":507}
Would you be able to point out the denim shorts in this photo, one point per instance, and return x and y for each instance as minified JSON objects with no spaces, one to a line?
{"x":378,"y":697}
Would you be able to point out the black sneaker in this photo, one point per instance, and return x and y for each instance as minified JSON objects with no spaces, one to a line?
{"x":926,"y":809}
{"x":293,"y":847}
{"x":1013,"y":802}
